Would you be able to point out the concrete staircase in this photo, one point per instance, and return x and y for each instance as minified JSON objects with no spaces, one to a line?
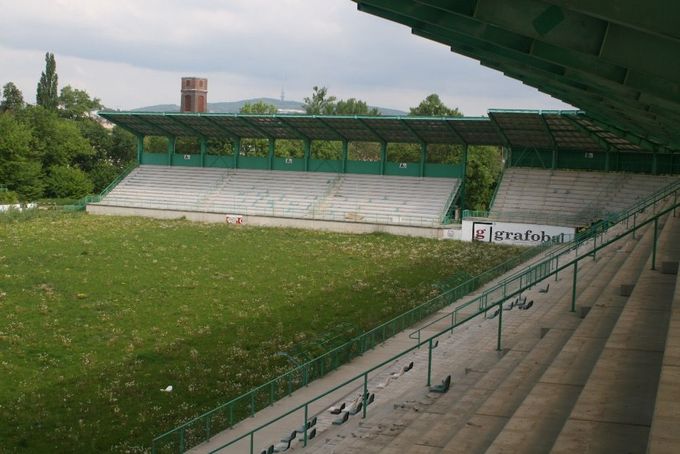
{"x":565,"y":382}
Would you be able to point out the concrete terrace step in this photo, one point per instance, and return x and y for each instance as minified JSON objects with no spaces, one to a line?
{"x":614,"y":410}
{"x":536,"y":423}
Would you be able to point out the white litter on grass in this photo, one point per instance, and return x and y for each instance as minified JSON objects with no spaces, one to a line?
{"x":167,"y":389}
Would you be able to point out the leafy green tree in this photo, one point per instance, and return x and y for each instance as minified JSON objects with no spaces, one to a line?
{"x":68,"y":182}
{"x":432,"y":106}
{"x":77,"y":104}
{"x":19,"y":170}
{"x":102,"y":173}
{"x":260,"y":108}
{"x":320,"y":103}
{"x":47,"y":95}
{"x":100,"y":140}
{"x":484,"y":169}
{"x":15,"y":139}
{"x":25,"y":178}
{"x":353,"y":106}
{"x":12,"y":98}
{"x":123,"y":147}
{"x":55,"y":140}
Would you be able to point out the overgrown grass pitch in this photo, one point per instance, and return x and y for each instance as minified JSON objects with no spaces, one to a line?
{"x":97,"y":314}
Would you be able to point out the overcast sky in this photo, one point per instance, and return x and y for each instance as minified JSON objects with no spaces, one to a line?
{"x":133,"y":53}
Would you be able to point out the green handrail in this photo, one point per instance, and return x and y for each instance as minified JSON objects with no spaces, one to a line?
{"x":446,"y":217}
{"x":527,"y":279}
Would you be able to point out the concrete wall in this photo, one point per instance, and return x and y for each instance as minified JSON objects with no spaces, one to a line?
{"x":448,"y":233}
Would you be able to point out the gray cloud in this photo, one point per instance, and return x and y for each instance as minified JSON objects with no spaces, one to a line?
{"x":307,"y":42}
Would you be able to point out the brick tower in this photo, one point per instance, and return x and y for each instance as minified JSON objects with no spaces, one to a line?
{"x":194,"y":94}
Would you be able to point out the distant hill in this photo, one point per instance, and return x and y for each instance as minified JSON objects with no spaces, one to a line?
{"x":235,"y":107}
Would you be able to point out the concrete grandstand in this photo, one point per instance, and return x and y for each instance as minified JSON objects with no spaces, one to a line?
{"x":576,"y":351}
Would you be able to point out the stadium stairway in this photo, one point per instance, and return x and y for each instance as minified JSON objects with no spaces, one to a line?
{"x":527,"y":396}
{"x":664,"y":436}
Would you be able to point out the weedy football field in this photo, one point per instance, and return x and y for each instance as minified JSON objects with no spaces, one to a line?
{"x":97,"y":314}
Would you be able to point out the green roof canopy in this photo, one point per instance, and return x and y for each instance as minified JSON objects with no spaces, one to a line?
{"x":570,"y":130}
{"x":616,"y":60}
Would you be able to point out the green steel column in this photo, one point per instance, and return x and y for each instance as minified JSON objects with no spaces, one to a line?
{"x":236,"y":145}
{"x":204,"y":146}
{"x":654,"y":163}
{"x":171,"y":149}
{"x":573,"y":288}
{"x":140,"y":148}
{"x":308,"y":151}
{"x":345,"y":154}
{"x":656,"y":233}
{"x":606,"y":160}
{"x":554,"y":158}
{"x":304,"y":426}
{"x":365,"y":399}
{"x":429,"y":363}
{"x":500,"y":326}
{"x":423,"y":158}
{"x":462,"y":186}
{"x":272,"y":148}
{"x":383,"y":157}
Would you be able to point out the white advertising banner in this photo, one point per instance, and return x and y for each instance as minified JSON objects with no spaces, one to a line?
{"x":513,"y":233}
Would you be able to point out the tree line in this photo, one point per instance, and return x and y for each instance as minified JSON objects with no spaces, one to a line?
{"x":58,"y":147}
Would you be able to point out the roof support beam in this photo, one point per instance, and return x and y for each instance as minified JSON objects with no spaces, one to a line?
{"x":455,"y":133}
{"x":153,"y":125}
{"x":325,"y":123}
{"x":293,"y":128}
{"x":223,"y":128}
{"x":257,"y":128}
{"x":198,"y":133}
{"x":404,"y":122}
{"x":373,"y":131}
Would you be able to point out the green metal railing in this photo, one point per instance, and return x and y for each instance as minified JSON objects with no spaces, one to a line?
{"x":523,"y":281}
{"x":593,"y":233}
{"x":447,"y":217}
{"x":201,"y":428}
{"x":93,"y":198}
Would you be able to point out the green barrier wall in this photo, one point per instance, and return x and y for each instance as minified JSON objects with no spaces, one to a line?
{"x":325,"y":165}
{"x":364,"y":167}
{"x":155,"y":158}
{"x":288,"y":164}
{"x":226,"y":162}
{"x":186,"y":160}
{"x":407,"y":169}
{"x":637,"y":162}
{"x":411,"y":169}
{"x":444,"y":170}
{"x":250,"y":162}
